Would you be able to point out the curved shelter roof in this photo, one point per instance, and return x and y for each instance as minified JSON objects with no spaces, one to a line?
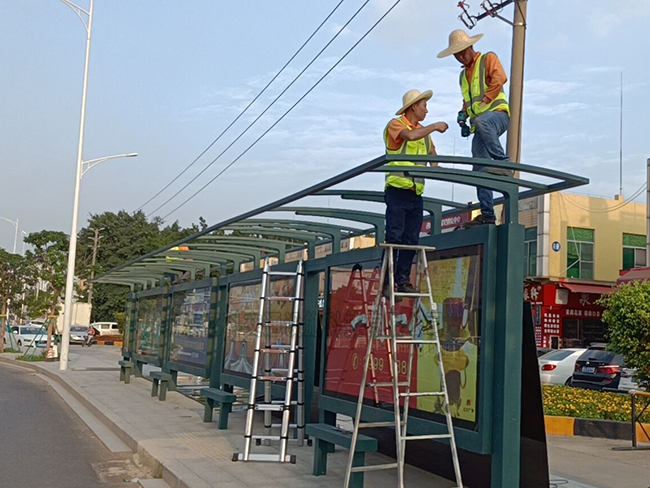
{"x":248,"y":237}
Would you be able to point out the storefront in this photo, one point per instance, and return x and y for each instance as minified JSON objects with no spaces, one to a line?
{"x":566,"y":314}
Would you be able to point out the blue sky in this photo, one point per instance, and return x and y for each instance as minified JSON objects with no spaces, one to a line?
{"x":166,"y":77}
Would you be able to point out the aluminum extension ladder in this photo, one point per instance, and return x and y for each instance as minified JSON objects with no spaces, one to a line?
{"x":294,"y":354}
{"x":401,"y":389}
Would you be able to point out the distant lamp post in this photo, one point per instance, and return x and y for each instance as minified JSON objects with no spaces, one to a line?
{"x":15,"y":224}
{"x":24,"y":234}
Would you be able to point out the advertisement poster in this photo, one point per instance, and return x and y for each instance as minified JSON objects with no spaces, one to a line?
{"x":243,"y":314}
{"x":456,"y":283}
{"x":190,"y":321}
{"x":150,"y":316}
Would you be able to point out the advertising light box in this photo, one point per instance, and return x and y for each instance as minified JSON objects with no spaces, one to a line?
{"x":190,"y":322}
{"x":243,"y":315}
{"x":456,"y":277}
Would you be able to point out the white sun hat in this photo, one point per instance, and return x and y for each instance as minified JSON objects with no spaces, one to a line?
{"x":411,"y":97}
{"x":459,"y":40}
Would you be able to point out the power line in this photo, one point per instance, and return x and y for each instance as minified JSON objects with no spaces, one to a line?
{"x":265,"y":110}
{"x":247,"y":106}
{"x":289,"y":110}
{"x":641,"y":189}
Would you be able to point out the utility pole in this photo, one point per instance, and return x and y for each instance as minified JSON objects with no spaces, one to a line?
{"x":517,"y":80}
{"x":96,"y":239}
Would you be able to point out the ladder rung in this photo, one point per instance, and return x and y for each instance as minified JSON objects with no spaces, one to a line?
{"x":269,"y":407}
{"x":385,"y":384}
{"x":272,"y":458}
{"x":426,"y":437}
{"x":281,"y":402}
{"x":291,"y":426}
{"x":276,"y":370}
{"x":408,"y":247}
{"x":388,"y":338}
{"x":417,"y":341}
{"x":282,"y":273}
{"x":272,"y":378}
{"x":281,"y":299}
{"x":372,"y":425}
{"x":423,"y":394}
{"x":266,"y":437}
{"x":268,"y":350}
{"x":280,"y":322}
{"x":412,"y":295}
{"x":376,"y":467}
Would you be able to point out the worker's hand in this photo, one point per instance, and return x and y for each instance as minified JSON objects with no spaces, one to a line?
{"x":440,"y":127}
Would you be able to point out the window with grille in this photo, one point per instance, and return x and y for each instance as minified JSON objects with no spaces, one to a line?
{"x":530,"y":251}
{"x":634,"y":251}
{"x":580,"y":253}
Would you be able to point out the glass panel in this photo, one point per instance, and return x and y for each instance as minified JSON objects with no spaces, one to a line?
{"x":572,"y":252}
{"x":150,"y":315}
{"x":628,"y":258}
{"x":587,"y":252}
{"x":573,"y":272}
{"x":634,"y":240}
{"x":190,"y":321}
{"x":577,"y":234}
{"x":586,"y":270}
{"x":533,"y":259}
{"x":640,"y":257}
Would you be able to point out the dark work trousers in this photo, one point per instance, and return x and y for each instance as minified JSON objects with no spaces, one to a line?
{"x":403,"y":224}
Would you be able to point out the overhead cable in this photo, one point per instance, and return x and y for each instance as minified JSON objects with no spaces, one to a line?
{"x":246,"y":108}
{"x":264,"y":111}
{"x":288,"y":111}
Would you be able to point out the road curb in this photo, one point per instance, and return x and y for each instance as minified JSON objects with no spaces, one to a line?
{"x":607,"y":429}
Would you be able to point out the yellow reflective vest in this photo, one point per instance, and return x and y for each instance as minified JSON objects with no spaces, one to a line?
{"x":421,"y":147}
{"x":473,"y":94}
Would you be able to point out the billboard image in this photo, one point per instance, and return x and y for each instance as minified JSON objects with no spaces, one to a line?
{"x":190,"y":321}
{"x":456,"y":284}
{"x":243,"y":314}
{"x":150,"y":316}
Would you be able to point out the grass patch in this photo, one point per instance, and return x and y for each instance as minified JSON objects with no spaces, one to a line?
{"x":8,"y":349}
{"x":566,"y":401}
{"x":32,"y":358}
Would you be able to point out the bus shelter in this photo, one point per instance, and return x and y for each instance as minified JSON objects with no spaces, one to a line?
{"x":193,"y":306}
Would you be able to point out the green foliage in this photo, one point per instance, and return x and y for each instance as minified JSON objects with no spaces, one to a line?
{"x":32,"y":358}
{"x":124,"y":237}
{"x":566,"y":401}
{"x":49,"y":261}
{"x":120,"y":318}
{"x":627,"y":315}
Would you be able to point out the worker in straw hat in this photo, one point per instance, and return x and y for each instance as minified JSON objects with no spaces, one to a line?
{"x":403,"y":194}
{"x":485,"y":104}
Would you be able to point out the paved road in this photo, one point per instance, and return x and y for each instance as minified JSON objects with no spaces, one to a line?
{"x":43,"y":444}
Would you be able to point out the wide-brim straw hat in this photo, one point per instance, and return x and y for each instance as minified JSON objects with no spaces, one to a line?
{"x":411,"y":97}
{"x":459,"y":40}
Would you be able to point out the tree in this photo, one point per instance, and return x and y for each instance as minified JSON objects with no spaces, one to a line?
{"x":49,"y":260}
{"x":14,"y":275}
{"x":627,"y":314}
{"x":124,"y":237}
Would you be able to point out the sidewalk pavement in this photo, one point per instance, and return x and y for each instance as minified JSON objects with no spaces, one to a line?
{"x":186,"y":452}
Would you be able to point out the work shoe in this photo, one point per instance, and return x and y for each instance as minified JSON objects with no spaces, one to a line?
{"x":406,"y":288}
{"x":480,"y":220}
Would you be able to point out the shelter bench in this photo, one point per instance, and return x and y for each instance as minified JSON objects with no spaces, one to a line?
{"x":224,"y":399}
{"x":125,"y":371}
{"x":327,"y":436}
{"x":161,"y":381}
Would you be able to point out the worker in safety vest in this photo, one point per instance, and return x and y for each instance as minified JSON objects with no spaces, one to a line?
{"x":485,"y":104}
{"x":403,"y":194}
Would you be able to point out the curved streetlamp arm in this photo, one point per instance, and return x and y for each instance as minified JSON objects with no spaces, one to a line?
{"x":78,"y":10}
{"x":87,"y":165}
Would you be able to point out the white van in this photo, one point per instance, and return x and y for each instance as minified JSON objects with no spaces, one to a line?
{"x":106,"y":328}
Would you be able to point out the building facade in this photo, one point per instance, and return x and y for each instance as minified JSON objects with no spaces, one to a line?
{"x":575,"y":249}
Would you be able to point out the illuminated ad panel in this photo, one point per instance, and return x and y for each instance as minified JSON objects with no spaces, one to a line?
{"x":190,"y":321}
{"x":456,"y":283}
{"x":150,"y":315}
{"x":243,"y":314}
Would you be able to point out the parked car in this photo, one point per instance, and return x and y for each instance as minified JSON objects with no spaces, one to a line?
{"x":78,"y":334}
{"x":27,"y":335}
{"x":557,"y":366}
{"x":106,"y":328}
{"x":598,"y":369}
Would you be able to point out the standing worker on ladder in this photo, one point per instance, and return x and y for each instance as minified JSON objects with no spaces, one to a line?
{"x":403,"y":194}
{"x":485,"y":104}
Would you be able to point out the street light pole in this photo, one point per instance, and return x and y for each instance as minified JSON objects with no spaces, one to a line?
{"x":69,"y":292}
{"x":15,"y":224}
